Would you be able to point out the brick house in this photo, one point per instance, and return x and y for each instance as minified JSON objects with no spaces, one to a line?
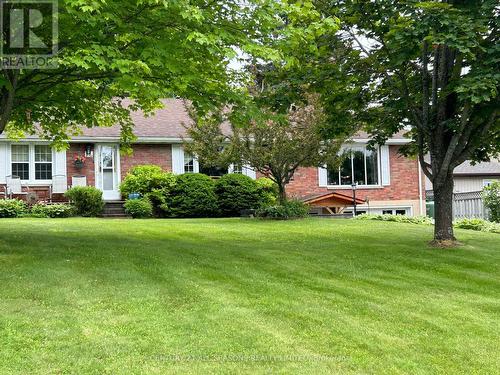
{"x":386,"y":181}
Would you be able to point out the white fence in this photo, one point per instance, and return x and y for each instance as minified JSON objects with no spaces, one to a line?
{"x":469,"y":205}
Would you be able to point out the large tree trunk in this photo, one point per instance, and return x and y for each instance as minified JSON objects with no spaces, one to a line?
{"x":7,"y":98}
{"x":443,"y":209}
{"x":281,"y":193}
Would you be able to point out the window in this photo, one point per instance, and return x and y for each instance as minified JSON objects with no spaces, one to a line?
{"x":213,"y":171}
{"x":361,"y":166}
{"x":21,"y":161}
{"x":188,"y":163}
{"x":31,"y":162}
{"x":237,"y":168}
{"x":43,"y":162}
{"x":396,"y":211}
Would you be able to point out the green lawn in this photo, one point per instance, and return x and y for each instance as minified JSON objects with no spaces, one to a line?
{"x":232,"y":296}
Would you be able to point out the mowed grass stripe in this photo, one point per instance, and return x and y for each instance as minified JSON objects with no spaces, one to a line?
{"x":119,"y":296}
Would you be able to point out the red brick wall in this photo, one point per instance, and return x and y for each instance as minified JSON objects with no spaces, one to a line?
{"x":404,"y":181}
{"x":88,"y":168}
{"x":160,"y":155}
{"x":142,"y":154}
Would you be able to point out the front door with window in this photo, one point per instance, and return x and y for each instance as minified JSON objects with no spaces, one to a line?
{"x":108,"y":171}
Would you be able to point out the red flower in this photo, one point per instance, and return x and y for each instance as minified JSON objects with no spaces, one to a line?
{"x":79,"y":158}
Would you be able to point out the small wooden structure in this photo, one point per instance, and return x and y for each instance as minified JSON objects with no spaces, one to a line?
{"x":330,"y":203}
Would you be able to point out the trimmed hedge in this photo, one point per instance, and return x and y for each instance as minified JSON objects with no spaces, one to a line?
{"x":139,"y":208}
{"x":193,"y":196}
{"x":87,"y":200}
{"x":52,"y":210}
{"x":12,"y":208}
{"x":236,"y":192}
{"x":292,"y":209}
{"x":151,"y":182}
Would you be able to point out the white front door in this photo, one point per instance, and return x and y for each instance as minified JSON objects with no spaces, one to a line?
{"x":107,"y":157}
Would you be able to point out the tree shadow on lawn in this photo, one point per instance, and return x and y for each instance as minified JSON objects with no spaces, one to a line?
{"x":304,"y":255}
{"x":234,"y":285}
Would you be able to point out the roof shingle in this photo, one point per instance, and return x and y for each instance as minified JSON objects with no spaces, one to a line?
{"x":167,"y":122}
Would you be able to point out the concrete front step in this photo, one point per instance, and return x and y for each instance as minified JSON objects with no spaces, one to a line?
{"x":114,"y":209}
{"x":114,"y":203}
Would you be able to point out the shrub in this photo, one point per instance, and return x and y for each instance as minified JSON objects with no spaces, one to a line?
{"x":193,"y":196}
{"x":139,"y":208}
{"x":292,"y":209}
{"x":52,"y":210}
{"x":268,"y":191}
{"x":87,"y":200}
{"x":474,"y":224}
{"x":397,"y":218}
{"x":151,"y":182}
{"x":236,"y":192}
{"x":477,"y":224}
{"x":491,"y":197}
{"x":12,"y":208}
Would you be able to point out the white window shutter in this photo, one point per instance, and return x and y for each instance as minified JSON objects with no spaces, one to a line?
{"x":322,"y":177}
{"x":250,"y":172}
{"x":60,"y":163}
{"x":3,"y":162}
{"x":177,"y":159}
{"x":385,"y":165}
{"x":196,"y":165}
{"x":75,"y":181}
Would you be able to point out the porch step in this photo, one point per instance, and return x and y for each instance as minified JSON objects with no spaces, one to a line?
{"x":114,"y":209}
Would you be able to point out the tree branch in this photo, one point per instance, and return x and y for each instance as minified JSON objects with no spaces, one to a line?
{"x":471,"y":145}
{"x":8,"y":96}
{"x":450,"y":152}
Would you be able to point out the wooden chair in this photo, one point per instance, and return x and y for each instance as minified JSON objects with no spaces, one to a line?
{"x":59,"y":185}
{"x":14,"y":186}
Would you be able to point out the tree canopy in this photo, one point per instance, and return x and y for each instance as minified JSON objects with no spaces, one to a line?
{"x":145,"y":50}
{"x":274,"y":145}
{"x":429,"y":68}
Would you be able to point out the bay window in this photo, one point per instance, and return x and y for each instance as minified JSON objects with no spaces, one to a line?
{"x":31,"y":162}
{"x":360,"y":166}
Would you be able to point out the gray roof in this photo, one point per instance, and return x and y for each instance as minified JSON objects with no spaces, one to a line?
{"x":167,"y":123}
{"x":491,"y":168}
